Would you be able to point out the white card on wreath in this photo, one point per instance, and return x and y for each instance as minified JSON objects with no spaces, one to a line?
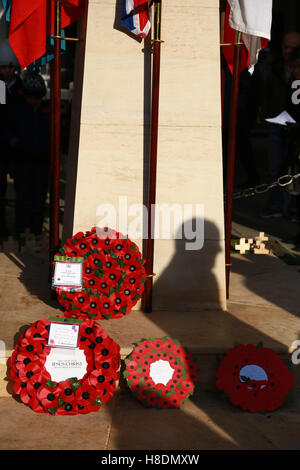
{"x":63,"y":335}
{"x":62,"y":364}
{"x":67,"y":274}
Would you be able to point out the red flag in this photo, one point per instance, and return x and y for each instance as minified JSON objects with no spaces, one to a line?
{"x":31,"y":22}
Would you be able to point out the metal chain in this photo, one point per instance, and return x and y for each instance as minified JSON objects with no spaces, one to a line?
{"x":282,"y":181}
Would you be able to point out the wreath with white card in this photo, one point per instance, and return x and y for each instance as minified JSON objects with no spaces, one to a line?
{"x":40,"y":372}
{"x":113,"y":275}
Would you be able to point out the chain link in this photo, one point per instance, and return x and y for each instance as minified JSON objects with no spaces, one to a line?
{"x":282,"y":181}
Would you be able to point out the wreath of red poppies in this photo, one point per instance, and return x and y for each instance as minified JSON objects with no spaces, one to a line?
{"x":264,"y":388}
{"x":138,"y":373}
{"x":33,"y":384}
{"x":113,"y":275}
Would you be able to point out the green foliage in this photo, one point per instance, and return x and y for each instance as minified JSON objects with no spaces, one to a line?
{"x":51,"y":384}
{"x":97,"y":402}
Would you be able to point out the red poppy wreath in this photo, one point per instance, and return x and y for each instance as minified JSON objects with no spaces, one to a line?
{"x":255,"y":378}
{"x":113,"y":275}
{"x":33,"y":382}
{"x":160,"y":373}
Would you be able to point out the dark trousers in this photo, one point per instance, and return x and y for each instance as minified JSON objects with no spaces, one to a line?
{"x":31,"y":179}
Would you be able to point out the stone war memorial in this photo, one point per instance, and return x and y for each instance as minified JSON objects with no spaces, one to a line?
{"x":119,"y":328}
{"x":113,"y":134}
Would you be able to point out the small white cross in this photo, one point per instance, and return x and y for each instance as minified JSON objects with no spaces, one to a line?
{"x":262,"y":237}
{"x":243,"y":246}
{"x":260,"y":247}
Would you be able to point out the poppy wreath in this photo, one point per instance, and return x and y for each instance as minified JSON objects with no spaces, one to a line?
{"x":255,"y":378}
{"x":32,"y":381}
{"x":176,"y":387}
{"x":113,"y":275}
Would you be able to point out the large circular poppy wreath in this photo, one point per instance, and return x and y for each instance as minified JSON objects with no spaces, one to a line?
{"x":32,"y":381}
{"x":113,"y":275}
{"x":255,"y":378}
{"x":160,"y":373}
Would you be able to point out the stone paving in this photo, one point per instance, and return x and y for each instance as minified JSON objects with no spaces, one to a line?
{"x":264,"y":306}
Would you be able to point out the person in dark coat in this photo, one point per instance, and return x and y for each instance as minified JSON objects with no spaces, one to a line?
{"x":293,"y":130}
{"x":9,"y":74}
{"x":273,"y":102}
{"x":29,"y":139}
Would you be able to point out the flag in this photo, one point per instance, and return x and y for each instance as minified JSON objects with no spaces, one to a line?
{"x":254,"y":20}
{"x":31,"y":22}
{"x":136,"y":16}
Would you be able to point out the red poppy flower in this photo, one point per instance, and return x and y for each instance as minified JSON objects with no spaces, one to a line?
{"x":91,"y":282}
{"x":100,"y":378}
{"x":117,"y":301}
{"x":113,"y":277}
{"x":109,"y":264}
{"x":42,"y":327}
{"x":49,"y":397}
{"x":80,"y":300}
{"x":13,"y":358}
{"x":131,"y":250}
{"x":87,"y":269}
{"x":133,"y":266}
{"x":70,"y":251}
{"x":82,"y":247}
{"x":106,"y":393}
{"x":152,"y":399}
{"x":32,"y":347}
{"x":37,"y":381}
{"x":133,"y":280}
{"x":164,"y":403}
{"x":25,"y":359}
{"x":78,"y":236}
{"x":70,"y":408}
{"x":20,"y":389}
{"x":107,"y":349}
{"x":34,"y":335}
{"x":93,"y":307}
{"x":85,"y":395}
{"x":104,"y":287}
{"x":66,"y":391}
{"x":105,"y":306}
{"x":35,"y":405}
{"x":119,"y":246}
{"x":127,"y":292}
{"x":27,"y":371}
{"x":94,"y":241}
{"x":95,"y":260}
{"x":255,"y":379}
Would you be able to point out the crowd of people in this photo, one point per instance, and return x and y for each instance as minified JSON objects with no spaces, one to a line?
{"x":272,"y":89}
{"x":25,"y":144}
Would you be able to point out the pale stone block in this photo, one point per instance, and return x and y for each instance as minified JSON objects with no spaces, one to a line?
{"x":114,"y":139}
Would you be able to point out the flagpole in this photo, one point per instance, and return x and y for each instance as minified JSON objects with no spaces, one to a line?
{"x":153,"y":155}
{"x":55,"y":97}
{"x":231,"y":153}
{"x":222,"y":27}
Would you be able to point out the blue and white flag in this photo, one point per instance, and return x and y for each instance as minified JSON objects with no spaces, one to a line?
{"x":136,"y":16}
